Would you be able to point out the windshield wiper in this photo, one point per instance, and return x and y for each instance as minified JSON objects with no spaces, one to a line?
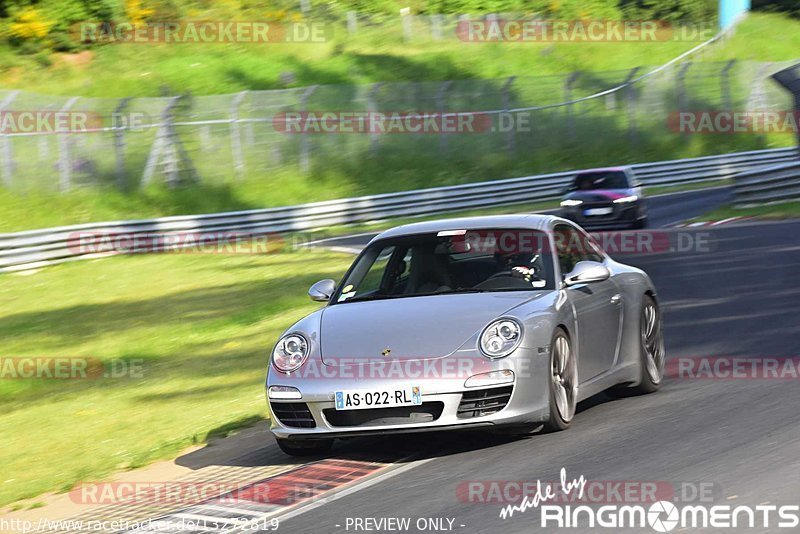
{"x":366,"y":298}
{"x":462,"y":290}
{"x":450,"y":292}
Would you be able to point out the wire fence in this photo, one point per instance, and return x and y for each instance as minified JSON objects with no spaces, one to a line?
{"x":130,"y":143}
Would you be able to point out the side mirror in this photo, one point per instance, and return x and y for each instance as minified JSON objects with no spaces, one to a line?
{"x":322,"y":290}
{"x":586,"y":272}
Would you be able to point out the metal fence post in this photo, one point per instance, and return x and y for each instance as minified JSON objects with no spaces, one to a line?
{"x":155,"y":150}
{"x":5,"y":145}
{"x":236,"y":137}
{"x":725,"y":80}
{"x":511,"y":134}
{"x":352,"y":22}
{"x":440,"y":105}
{"x":573,"y":134}
{"x":305,"y":144}
{"x":408,"y":19}
{"x":64,"y":159}
{"x":757,"y":99}
{"x":681,"y":89}
{"x":44,"y":151}
{"x":629,"y":92}
{"x":162,"y":145}
{"x":119,"y":143}
{"x":436,"y":27}
{"x":372,"y":109}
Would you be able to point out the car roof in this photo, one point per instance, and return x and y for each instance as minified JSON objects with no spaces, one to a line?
{"x":531,"y":221}
{"x":602,"y":169}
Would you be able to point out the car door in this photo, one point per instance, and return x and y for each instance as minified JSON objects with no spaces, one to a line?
{"x":598,"y":305}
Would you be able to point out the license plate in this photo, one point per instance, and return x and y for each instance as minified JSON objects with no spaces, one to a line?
{"x":598,"y":211}
{"x":361,"y":399}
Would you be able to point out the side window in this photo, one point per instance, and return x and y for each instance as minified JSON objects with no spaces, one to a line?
{"x":563,"y":236}
{"x":573,"y":246}
{"x":591,"y":248}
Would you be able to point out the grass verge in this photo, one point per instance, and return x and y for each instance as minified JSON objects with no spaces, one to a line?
{"x":196,"y":329}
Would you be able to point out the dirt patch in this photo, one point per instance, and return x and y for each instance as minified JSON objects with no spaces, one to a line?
{"x":79,"y":60}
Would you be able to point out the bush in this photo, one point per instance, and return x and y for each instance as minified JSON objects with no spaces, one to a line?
{"x":48,"y":25}
{"x":43,"y":59}
{"x":163,"y":11}
{"x":673,"y":10}
{"x":61,"y":41}
{"x":29,"y":24}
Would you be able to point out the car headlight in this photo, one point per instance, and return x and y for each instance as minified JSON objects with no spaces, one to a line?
{"x":569,"y":203}
{"x":290,"y":353}
{"x":501,"y":338}
{"x":625,"y":200}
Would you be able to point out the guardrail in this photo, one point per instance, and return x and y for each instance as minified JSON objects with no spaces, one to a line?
{"x":36,"y":248}
{"x":773,"y":184}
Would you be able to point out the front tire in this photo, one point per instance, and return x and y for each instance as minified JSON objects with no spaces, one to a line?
{"x":563,"y":383}
{"x":304,"y":447}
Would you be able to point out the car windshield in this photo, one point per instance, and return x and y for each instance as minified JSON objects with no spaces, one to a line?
{"x":459,"y":261}
{"x":600,"y":180}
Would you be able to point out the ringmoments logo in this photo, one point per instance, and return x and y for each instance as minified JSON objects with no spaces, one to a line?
{"x":660,"y":516}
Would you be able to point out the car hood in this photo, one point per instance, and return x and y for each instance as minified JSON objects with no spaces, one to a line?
{"x":413,"y":328}
{"x":599,"y":195}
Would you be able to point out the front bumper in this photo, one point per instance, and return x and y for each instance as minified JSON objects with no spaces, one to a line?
{"x":623,"y":216}
{"x":446,"y":404}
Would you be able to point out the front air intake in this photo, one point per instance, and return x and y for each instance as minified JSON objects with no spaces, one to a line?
{"x":293,"y":414}
{"x":484,"y":401}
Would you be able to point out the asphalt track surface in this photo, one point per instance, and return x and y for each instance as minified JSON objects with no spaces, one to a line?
{"x":737,"y":295}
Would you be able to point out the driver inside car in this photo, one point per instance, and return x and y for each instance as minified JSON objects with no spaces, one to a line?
{"x":519,"y":265}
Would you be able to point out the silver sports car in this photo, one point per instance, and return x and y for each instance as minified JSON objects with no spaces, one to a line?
{"x":489,"y":322}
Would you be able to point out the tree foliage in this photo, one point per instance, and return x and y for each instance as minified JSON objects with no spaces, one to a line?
{"x":47,"y":22}
{"x":786,"y":6}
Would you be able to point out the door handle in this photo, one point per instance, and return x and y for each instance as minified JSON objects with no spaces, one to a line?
{"x":616,"y":299}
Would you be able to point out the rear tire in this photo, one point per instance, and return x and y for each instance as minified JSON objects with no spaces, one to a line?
{"x":304,"y":447}
{"x":651,"y":352}
{"x":563,"y":383}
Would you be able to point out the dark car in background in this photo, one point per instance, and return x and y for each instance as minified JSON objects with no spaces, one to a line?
{"x":605,"y":199}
